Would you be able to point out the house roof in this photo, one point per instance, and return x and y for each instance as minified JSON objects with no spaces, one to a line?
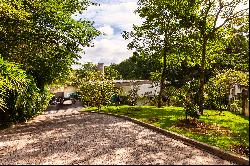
{"x":131,"y":82}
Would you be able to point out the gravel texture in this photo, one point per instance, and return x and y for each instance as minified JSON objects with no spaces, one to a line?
{"x":68,"y":137}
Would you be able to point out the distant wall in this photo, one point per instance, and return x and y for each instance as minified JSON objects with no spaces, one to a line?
{"x":63,"y":91}
{"x":144,"y":88}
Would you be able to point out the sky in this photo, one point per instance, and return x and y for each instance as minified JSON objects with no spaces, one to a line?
{"x":112,"y":17}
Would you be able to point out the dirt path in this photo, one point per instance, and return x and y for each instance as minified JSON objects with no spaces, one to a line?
{"x":68,"y":137}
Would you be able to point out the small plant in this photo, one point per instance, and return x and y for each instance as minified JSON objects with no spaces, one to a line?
{"x":97,"y":93}
{"x":235,"y":106}
{"x":191,"y":109}
{"x":133,"y":94}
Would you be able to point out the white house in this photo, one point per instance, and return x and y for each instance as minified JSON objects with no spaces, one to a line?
{"x":63,"y":91}
{"x":144,"y":86}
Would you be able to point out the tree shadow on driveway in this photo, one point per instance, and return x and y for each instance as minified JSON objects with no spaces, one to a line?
{"x":87,"y":138}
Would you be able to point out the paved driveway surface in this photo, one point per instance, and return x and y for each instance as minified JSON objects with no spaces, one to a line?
{"x":68,"y":137}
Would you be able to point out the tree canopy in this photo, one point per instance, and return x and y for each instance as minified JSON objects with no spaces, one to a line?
{"x":198,"y":32}
{"x":43,"y":36}
{"x":137,"y":67}
{"x":39,"y":42}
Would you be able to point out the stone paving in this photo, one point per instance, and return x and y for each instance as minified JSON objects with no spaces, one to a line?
{"x":66,"y":136}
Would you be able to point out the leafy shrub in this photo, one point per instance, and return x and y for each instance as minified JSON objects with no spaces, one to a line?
{"x":190,"y":99}
{"x":19,"y":96}
{"x":191,"y":110}
{"x":235,"y":106}
{"x":217,"y":88}
{"x":133,"y":94}
{"x":97,"y":93}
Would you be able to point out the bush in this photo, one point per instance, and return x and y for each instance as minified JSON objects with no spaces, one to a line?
{"x":20,"y":99}
{"x":235,"y":106}
{"x":191,"y":110}
{"x":133,"y":94}
{"x":190,"y":99}
{"x":97,"y":93}
{"x":218,"y":87}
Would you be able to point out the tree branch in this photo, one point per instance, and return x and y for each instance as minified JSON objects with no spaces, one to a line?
{"x":229,"y":19}
{"x":218,"y":13}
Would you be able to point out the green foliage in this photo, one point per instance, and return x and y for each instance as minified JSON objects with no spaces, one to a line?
{"x":97,"y":93}
{"x":236,"y":54}
{"x":43,"y":36}
{"x":217,"y":88}
{"x":92,"y":87}
{"x":133,"y":94}
{"x":87,"y":72}
{"x":11,"y":78}
{"x":19,"y":96}
{"x":236,"y":106}
{"x":44,"y":40}
{"x":190,"y":99}
{"x":111,"y":73}
{"x":137,"y":67}
{"x":206,"y":37}
{"x":158,"y":36}
{"x":191,"y":110}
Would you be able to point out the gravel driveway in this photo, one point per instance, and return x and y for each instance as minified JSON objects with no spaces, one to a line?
{"x":68,"y":137}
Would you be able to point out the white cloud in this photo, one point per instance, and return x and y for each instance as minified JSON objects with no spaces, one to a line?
{"x":107,"y":30}
{"x":107,"y":51}
{"x":117,"y":15}
{"x":112,"y":17}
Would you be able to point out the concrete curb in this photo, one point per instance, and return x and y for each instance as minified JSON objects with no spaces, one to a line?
{"x":202,"y":146}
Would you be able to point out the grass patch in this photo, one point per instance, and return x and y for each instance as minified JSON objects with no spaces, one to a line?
{"x":226,"y":131}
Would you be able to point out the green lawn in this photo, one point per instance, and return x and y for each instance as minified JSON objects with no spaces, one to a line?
{"x":226,"y":131}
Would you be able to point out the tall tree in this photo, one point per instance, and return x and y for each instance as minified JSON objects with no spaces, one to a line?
{"x":214,"y":19}
{"x":43,"y":37}
{"x":157,"y":36}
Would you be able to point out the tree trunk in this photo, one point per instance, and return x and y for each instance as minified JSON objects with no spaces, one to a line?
{"x":244,"y":102}
{"x":163,"y":77}
{"x":202,"y":76}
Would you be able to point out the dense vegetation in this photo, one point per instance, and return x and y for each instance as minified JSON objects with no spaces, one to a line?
{"x":20,"y":99}
{"x":93,"y":87}
{"x":136,"y":67}
{"x":193,"y":49}
{"x":200,"y":33}
{"x":39,"y":43}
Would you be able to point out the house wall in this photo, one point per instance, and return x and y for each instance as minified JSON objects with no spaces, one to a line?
{"x":65,"y":91}
{"x":234,"y":91}
{"x":147,"y":88}
{"x":68,"y":90}
{"x":142,"y":89}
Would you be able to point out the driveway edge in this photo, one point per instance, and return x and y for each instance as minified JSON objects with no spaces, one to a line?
{"x":202,"y":146}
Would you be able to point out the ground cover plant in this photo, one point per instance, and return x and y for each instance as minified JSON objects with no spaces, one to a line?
{"x":227,"y":131}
